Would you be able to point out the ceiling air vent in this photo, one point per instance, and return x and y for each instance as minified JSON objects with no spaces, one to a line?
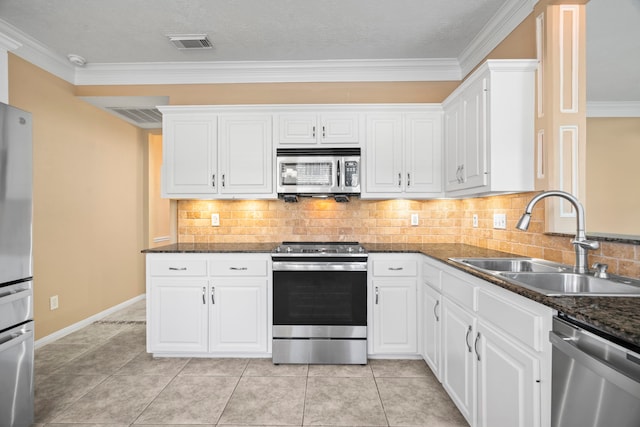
{"x":143,"y":117}
{"x":190,"y":41}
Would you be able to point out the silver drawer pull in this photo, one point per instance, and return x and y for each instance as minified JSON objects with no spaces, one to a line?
{"x":466,"y":339}
{"x":178,"y":268}
{"x":238,"y":268}
{"x":396,"y":268}
{"x":435,"y":313}
{"x":204,"y":293}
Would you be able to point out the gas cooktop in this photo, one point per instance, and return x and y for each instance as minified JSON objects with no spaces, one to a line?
{"x":319,"y":249}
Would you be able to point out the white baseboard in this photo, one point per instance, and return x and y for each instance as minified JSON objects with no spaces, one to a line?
{"x":85,"y":322}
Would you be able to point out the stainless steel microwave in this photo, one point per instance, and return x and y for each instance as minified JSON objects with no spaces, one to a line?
{"x":318,"y":171}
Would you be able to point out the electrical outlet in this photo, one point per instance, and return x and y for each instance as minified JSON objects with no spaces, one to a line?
{"x":215,"y":220}
{"x":414,"y":219}
{"x":500,"y":221}
{"x":53,"y":302}
{"x":475,"y":220}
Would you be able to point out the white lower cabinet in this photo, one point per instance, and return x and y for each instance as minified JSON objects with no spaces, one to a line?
{"x":508,"y":381}
{"x":238,"y":315}
{"x":495,"y":355}
{"x":393,"y":289}
{"x":208,"y":304}
{"x":458,"y":368}
{"x":179,"y":315}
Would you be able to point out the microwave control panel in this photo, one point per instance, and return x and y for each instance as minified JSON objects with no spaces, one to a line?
{"x":351,"y":173}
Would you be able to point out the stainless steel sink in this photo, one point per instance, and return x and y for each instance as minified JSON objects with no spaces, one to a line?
{"x":515,"y":265}
{"x":552,"y":279}
{"x":554,"y":284}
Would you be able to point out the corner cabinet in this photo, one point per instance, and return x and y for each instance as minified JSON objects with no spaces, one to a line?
{"x":489,"y":130}
{"x":209,"y":154}
{"x":208,"y":305}
{"x":403,"y":154}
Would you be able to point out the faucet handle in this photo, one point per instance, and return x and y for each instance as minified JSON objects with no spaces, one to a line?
{"x":600,"y":270}
{"x":587,"y":244}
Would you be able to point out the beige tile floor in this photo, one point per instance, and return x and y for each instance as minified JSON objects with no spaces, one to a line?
{"x":102,"y":375}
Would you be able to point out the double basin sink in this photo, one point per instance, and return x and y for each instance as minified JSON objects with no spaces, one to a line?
{"x":552,"y":279}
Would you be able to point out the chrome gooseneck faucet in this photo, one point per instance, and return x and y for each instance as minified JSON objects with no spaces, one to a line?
{"x":580,"y":242}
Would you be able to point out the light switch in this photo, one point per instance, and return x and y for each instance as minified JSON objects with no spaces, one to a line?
{"x":500,"y":221}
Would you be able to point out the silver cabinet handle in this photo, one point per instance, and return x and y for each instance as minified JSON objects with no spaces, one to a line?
{"x":314,"y":131}
{"x":238,"y":268}
{"x":377,"y":295}
{"x":222,"y":180}
{"x":178,"y":268}
{"x":213,"y":295}
{"x":399,"y":179}
{"x":204,"y":293}
{"x":323,"y":132}
{"x":408,"y":180}
{"x":466,"y":339}
{"x":461,"y":174}
{"x":435,"y":313}
{"x":213,"y":180}
{"x":396,"y":268}
{"x":475,"y":346}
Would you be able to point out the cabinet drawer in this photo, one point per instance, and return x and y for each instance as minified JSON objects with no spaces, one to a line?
{"x":175,"y":267}
{"x":431,"y":276}
{"x":238,"y":267}
{"x":511,"y":318}
{"x":459,"y":290}
{"x":395,"y":268}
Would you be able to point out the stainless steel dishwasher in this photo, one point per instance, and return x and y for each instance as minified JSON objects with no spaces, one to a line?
{"x":595,"y":382}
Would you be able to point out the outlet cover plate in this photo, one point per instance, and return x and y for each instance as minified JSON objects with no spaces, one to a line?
{"x":475,"y":220}
{"x":215,"y":220}
{"x":414,"y":219}
{"x":500,"y":221}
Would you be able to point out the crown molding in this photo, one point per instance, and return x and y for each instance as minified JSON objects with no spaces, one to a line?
{"x":269,"y":72}
{"x":7,"y":43}
{"x":38,"y":54}
{"x":613,"y":109}
{"x":510,"y":15}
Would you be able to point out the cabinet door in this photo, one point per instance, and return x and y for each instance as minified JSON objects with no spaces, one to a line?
{"x":238,"y":315}
{"x":431,"y":328}
{"x":474,"y":169}
{"x":458,"y":370}
{"x":384,"y":153}
{"x":246,"y":164}
{"x":190,"y":155}
{"x":298,"y":128}
{"x":508,"y":387}
{"x":339,"y":128}
{"x":423,"y":153}
{"x":453,"y":142}
{"x":178,"y":315}
{"x":394,"y":316}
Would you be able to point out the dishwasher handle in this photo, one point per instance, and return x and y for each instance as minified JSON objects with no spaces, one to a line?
{"x":14,"y":338}
{"x":600,"y":366}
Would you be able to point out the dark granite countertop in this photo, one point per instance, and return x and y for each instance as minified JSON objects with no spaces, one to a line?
{"x":185,"y":248}
{"x":617,"y":316}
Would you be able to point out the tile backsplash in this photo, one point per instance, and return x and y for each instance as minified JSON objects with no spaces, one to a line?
{"x":389,"y":221}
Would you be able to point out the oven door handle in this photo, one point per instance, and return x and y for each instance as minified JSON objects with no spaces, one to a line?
{"x":319,"y":266}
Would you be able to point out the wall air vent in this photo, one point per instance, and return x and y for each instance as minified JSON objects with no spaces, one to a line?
{"x":190,"y":41}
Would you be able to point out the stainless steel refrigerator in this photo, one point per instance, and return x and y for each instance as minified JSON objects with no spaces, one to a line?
{"x":16,"y":268}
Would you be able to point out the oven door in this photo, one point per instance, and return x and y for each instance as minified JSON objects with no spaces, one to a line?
{"x":309,"y":295}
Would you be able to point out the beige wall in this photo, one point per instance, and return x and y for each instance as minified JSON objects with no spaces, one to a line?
{"x":613,"y":151}
{"x":88,"y":198}
{"x":159,"y":209}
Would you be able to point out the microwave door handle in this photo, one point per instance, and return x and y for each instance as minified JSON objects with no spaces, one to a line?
{"x":338,"y":177}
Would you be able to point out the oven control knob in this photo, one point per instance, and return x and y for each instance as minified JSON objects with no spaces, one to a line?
{"x":289,"y":249}
{"x":349,"y":249}
{"x":360,"y":249}
{"x":278,"y":249}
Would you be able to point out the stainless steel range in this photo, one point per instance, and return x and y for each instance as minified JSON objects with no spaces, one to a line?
{"x":320,"y":303}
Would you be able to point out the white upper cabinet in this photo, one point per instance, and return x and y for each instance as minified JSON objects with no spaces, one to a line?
{"x":211,"y":155}
{"x":318,"y":128}
{"x":246,"y":154}
{"x":489,"y":130}
{"x":403,"y":154}
{"x":190,"y":154}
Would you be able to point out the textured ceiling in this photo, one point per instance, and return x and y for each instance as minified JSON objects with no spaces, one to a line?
{"x":123,"y":31}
